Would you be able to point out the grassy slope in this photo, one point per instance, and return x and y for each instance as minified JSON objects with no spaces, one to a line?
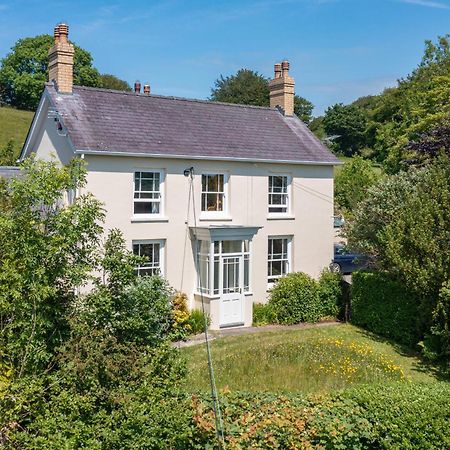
{"x":312,"y":360}
{"x":14,"y":124}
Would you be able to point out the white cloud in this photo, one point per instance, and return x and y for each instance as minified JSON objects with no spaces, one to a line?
{"x":427,"y":3}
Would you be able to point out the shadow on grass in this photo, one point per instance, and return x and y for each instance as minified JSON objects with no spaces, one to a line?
{"x":439,"y":371}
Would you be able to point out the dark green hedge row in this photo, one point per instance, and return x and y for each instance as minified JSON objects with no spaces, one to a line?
{"x":399,"y":416}
{"x":385,"y":307}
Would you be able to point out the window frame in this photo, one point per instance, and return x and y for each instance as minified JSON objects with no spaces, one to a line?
{"x":215,"y":214}
{"x":215,"y":255}
{"x":162,"y":245}
{"x":271,"y":280}
{"x":161,"y":200}
{"x":288,"y":193}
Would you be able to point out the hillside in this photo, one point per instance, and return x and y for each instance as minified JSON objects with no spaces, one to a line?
{"x":14,"y":124}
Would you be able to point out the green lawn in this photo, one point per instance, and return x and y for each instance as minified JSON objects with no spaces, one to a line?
{"x":310,"y":360}
{"x":14,"y":124}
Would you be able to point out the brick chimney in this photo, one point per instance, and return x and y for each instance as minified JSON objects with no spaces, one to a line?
{"x":282,"y":89}
{"x":60,"y":60}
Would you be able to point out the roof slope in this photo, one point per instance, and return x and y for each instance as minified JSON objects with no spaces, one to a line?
{"x":108,"y":121}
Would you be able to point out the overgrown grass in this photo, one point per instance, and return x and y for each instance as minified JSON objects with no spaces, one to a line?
{"x":312,"y":360}
{"x":14,"y":124}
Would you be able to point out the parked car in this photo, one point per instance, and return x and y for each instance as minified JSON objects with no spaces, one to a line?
{"x":338,"y":221}
{"x":346,"y":262}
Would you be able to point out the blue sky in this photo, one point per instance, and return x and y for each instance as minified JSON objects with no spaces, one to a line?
{"x":338,"y":49}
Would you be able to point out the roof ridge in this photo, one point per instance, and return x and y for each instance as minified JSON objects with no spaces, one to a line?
{"x":170,"y":97}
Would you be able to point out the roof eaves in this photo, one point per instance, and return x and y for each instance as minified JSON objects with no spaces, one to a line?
{"x":210,"y":158}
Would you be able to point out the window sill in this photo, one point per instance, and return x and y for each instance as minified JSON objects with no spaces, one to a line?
{"x":148,"y":218}
{"x":210,"y":297}
{"x":280,"y":217}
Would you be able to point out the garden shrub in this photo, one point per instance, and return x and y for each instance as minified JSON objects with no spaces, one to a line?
{"x":197,"y":321}
{"x":385,"y":307}
{"x":394,"y":416}
{"x":299,"y":298}
{"x":180,"y":313}
{"x":262,"y":314}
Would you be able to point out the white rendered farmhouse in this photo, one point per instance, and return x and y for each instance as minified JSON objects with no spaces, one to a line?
{"x":260,"y":182}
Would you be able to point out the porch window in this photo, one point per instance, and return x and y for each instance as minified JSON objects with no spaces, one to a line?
{"x":147,"y":193}
{"x":213,"y":192}
{"x":153,"y":253}
{"x":213,"y":261}
{"x":278,"y":194}
{"x":279,"y":258}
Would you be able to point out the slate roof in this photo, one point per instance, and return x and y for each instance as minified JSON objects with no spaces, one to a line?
{"x":101,"y":120}
{"x":9,"y":172}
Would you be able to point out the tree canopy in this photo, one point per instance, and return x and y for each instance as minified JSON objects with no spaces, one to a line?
{"x":248,"y":87}
{"x":383,"y":126}
{"x":108,"y":81}
{"x":404,"y":225}
{"x":24,"y":71}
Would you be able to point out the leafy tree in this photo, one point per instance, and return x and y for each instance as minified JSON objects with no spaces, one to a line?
{"x":353,"y":182}
{"x":303,"y":109}
{"x":248,"y":87}
{"x":46,"y":253}
{"x":430,"y":144}
{"x":404,"y":224}
{"x":316,"y":126}
{"x":7,"y":154}
{"x":24,"y":71}
{"x":108,"y":81}
{"x":348,"y":125}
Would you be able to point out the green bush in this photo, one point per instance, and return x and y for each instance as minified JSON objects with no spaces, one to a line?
{"x":262,"y":314}
{"x":196,"y":321}
{"x":394,"y":416}
{"x":330,"y":293}
{"x":385,"y":307}
{"x":299,"y":298}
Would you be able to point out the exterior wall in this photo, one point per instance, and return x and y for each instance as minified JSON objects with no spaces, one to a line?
{"x":110,"y":179}
{"x":47,"y":143}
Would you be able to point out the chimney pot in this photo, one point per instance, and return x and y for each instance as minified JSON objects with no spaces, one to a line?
{"x":285,"y":68}
{"x":137,"y":87}
{"x":147,"y":89}
{"x":63,"y":32}
{"x":56,"y":34}
{"x":277,"y":70}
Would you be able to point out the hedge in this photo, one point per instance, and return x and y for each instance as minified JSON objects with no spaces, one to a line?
{"x":396,"y":416}
{"x":383,"y":306}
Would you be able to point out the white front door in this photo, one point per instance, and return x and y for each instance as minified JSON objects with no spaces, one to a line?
{"x":232,"y":297}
